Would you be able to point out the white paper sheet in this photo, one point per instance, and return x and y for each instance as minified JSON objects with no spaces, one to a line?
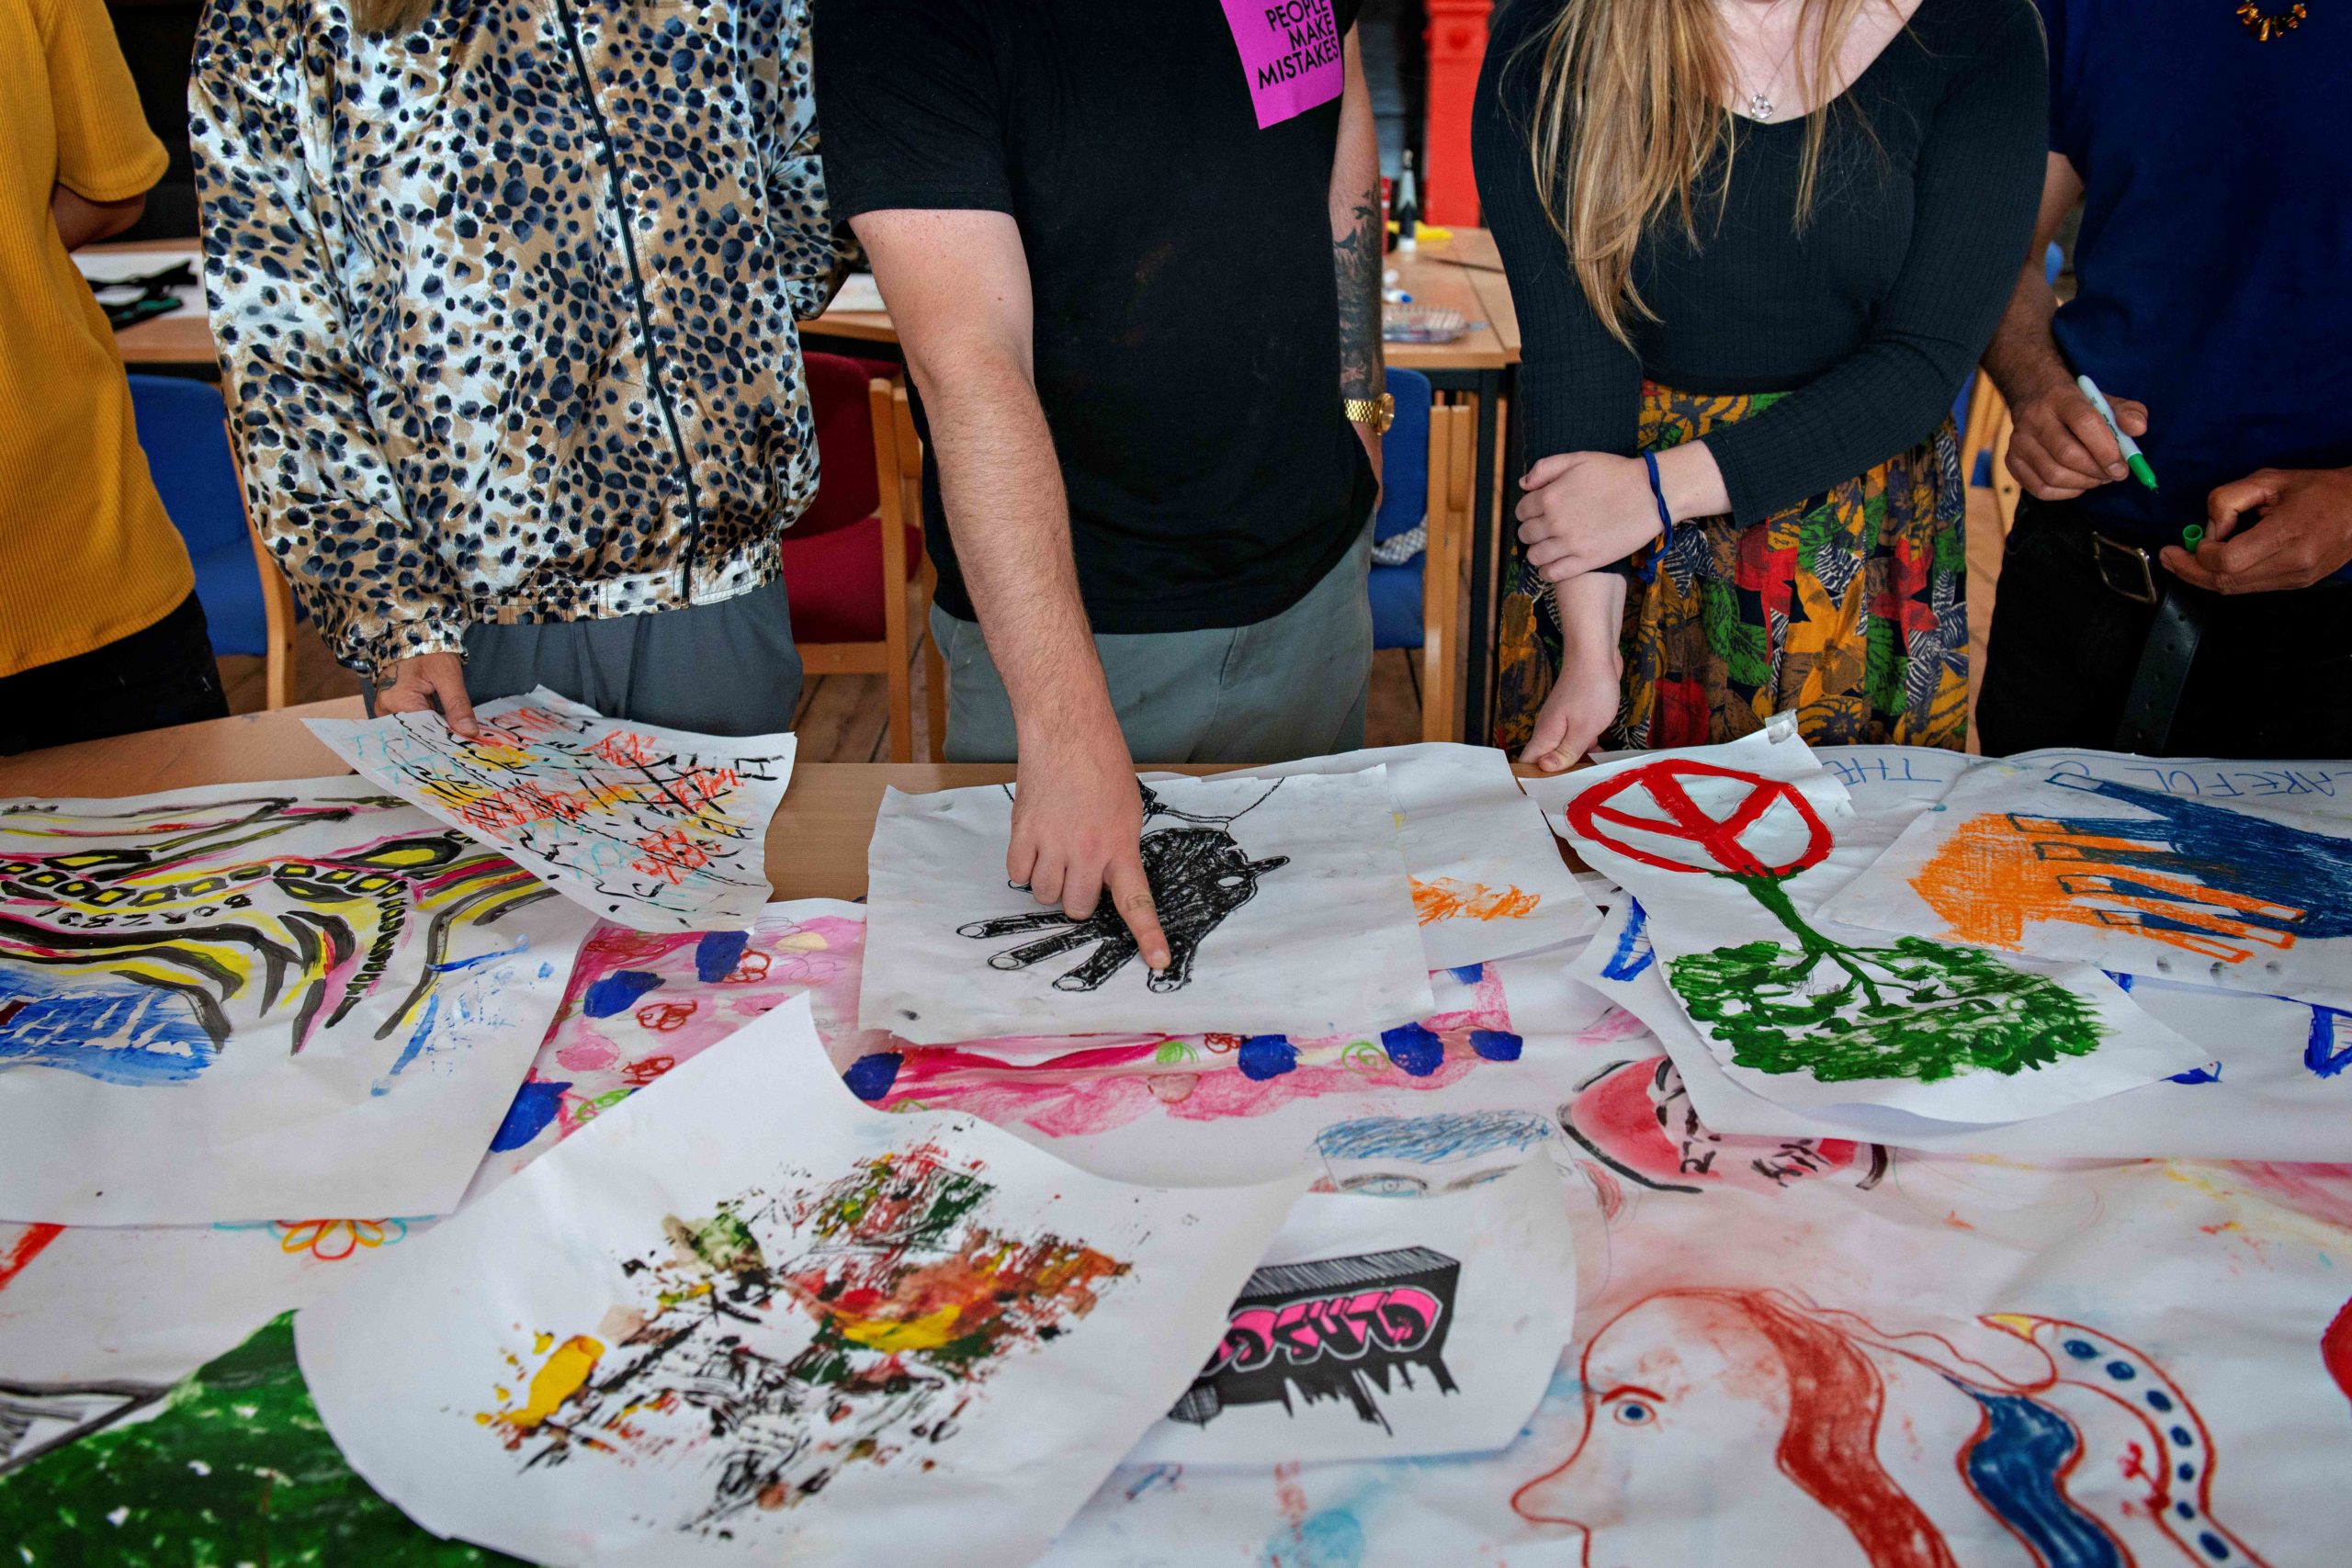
{"x":654,"y":828}
{"x":1941,"y":1359}
{"x":2278,"y":1088}
{"x":254,"y":1000}
{"x":1487,"y":880}
{"x":2078,"y":860}
{"x":1386,"y":1328}
{"x":858,"y":292}
{"x":1731,"y":849}
{"x":150,"y":1304}
{"x":742,"y":1320}
{"x":1286,"y":903}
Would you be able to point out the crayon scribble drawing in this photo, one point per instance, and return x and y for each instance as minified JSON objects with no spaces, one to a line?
{"x":1638,"y":1131}
{"x":1199,"y":874}
{"x":791,"y":1334}
{"x":1448,"y":899}
{"x":641,"y":1004}
{"x":652,"y":828}
{"x":1339,"y":1328}
{"x":1770,"y":1418}
{"x":2131,"y":878}
{"x":1413,"y":1156}
{"x":136,"y":941}
{"x":236,"y":1468}
{"x":1915,"y":1009}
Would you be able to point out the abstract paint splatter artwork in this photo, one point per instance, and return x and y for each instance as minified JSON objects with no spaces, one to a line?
{"x":202,"y":993}
{"x":654,"y":828}
{"x":746,"y":1320}
{"x":2246,"y":894}
{"x":784,"y":1335}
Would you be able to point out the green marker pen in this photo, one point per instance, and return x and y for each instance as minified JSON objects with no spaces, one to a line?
{"x":2131,"y":458}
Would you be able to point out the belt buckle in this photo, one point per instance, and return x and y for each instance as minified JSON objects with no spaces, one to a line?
{"x":2137,"y":581}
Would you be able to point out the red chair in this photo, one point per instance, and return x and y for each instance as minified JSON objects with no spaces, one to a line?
{"x":854,"y":565}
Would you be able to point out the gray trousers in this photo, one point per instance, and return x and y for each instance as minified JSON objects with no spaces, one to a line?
{"x":1294,"y":685}
{"x":723,"y":669}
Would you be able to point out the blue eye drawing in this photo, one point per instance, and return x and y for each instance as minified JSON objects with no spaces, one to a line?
{"x":1386,"y":1184}
{"x":1634,"y":1412}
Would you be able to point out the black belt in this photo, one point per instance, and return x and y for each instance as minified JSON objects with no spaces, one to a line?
{"x":2131,"y":572}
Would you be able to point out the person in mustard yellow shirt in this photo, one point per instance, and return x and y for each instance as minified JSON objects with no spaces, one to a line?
{"x":100,"y":631}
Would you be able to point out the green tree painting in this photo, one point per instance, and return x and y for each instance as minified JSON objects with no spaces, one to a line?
{"x":1916,"y":1009}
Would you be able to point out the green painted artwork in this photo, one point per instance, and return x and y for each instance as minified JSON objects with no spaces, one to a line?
{"x":1915,"y":1009}
{"x":236,"y":1468}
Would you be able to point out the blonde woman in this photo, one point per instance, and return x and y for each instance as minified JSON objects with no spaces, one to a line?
{"x":1756,"y":247}
{"x":505,"y":297}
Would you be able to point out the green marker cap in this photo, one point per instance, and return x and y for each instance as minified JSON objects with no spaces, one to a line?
{"x":2192,"y":536}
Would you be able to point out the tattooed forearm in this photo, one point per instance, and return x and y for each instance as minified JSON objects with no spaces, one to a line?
{"x":1355,"y":257}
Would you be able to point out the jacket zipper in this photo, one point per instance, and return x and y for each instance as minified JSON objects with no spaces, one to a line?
{"x":622,"y":213}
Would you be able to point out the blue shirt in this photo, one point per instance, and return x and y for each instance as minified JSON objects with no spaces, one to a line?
{"x":2214,"y":267}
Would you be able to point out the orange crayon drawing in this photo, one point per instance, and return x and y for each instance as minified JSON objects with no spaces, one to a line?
{"x":625,"y":749}
{"x":1444,"y":898}
{"x":1999,"y":874}
{"x":673,"y":855}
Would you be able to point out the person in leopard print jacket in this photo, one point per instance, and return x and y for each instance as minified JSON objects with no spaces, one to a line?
{"x":505,"y":294}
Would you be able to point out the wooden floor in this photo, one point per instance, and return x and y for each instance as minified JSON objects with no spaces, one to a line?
{"x":845,"y":719}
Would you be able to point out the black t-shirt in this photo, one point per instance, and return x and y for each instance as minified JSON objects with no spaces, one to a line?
{"x":1179,"y":259}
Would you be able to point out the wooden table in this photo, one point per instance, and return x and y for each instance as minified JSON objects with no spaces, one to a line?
{"x":816,"y":845}
{"x":181,"y":338}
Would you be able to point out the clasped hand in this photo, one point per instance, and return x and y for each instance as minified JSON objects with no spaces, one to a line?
{"x":1583,"y":511}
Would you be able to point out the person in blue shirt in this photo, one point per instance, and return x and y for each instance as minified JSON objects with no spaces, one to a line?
{"x":2203,"y":139}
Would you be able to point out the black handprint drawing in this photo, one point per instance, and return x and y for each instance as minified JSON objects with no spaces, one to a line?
{"x":1198,"y":876}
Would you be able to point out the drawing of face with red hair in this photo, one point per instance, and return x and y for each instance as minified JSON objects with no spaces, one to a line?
{"x":1751,"y":1426}
{"x":1633,"y":1120}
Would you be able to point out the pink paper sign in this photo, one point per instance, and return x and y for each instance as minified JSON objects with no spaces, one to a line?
{"x":1290,"y":52}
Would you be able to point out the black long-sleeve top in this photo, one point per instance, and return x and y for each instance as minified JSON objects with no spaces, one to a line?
{"x":1873,"y":315}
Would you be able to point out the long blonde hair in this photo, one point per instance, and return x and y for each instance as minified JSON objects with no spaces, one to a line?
{"x":383,"y":19}
{"x":1633,"y":103}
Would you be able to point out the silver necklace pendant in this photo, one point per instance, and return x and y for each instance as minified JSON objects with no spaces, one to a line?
{"x":1758,"y":106}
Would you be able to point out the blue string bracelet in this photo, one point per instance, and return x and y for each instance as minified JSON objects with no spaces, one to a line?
{"x":1649,"y":572}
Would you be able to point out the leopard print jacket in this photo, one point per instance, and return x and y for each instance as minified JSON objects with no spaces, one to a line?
{"x":505,"y":307}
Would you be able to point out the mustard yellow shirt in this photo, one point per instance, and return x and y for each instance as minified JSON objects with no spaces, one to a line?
{"x":87,"y":554}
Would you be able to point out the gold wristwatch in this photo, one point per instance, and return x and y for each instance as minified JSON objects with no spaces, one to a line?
{"x":1379,"y":412}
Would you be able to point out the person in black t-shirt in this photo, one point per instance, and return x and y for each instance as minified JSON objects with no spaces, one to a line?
{"x":1133,"y":255}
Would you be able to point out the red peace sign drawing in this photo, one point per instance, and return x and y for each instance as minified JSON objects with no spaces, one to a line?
{"x":1683,"y":818}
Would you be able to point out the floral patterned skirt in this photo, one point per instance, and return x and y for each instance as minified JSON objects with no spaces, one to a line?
{"x":1850,"y":608}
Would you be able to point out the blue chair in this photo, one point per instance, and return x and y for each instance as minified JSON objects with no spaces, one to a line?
{"x":1428,"y":460}
{"x":183,"y":428}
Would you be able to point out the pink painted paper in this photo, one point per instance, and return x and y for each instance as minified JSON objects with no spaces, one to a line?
{"x":1290,"y":54}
